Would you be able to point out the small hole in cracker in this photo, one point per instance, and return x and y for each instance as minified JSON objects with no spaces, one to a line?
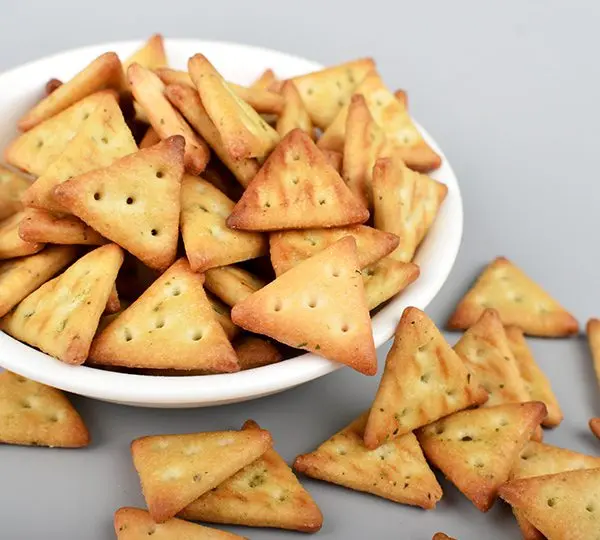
{"x":197,"y":335}
{"x":159,"y":323}
{"x":129,"y":200}
{"x":104,"y":140}
{"x":345,"y":328}
{"x":97,"y":196}
{"x":278,"y":305}
{"x":154,"y":232}
{"x":159,"y":174}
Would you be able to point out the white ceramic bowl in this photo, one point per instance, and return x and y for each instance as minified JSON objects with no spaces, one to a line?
{"x":22,"y":86}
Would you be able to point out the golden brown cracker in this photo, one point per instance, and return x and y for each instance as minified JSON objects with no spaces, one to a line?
{"x":386,"y":278}
{"x":46,"y":227}
{"x":231,"y":284}
{"x":595,"y":426}
{"x":150,"y":55}
{"x":593,"y":335}
{"x":150,"y":138}
{"x":222,"y":314}
{"x":12,"y":187}
{"x":293,"y":114}
{"x":254,"y":351}
{"x":11,"y":244}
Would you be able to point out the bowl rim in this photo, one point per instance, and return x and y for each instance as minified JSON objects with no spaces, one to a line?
{"x":207,"y":390}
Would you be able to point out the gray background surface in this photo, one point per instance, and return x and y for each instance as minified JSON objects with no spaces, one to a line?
{"x":509,"y":90}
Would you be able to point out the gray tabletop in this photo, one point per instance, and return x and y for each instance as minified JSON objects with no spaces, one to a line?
{"x":511,"y":94}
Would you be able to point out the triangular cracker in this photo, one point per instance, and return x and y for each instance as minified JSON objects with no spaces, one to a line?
{"x":148,"y":91}
{"x":175,"y":470}
{"x":296,"y":188}
{"x":134,"y":201}
{"x":20,"y":277}
{"x":561,"y":506}
{"x":137,"y":524}
{"x":12,"y":187}
{"x":170,"y":326}
{"x":423,"y":381}
{"x":392,"y":116}
{"x":519,"y":301}
{"x":265,"y":80}
{"x":294,"y":115}
{"x":150,"y":138}
{"x":254,"y":351}
{"x":46,"y":227}
{"x":288,"y":248}
{"x":232,"y":284}
{"x":34,"y":414}
{"x":485,"y":350}
{"x":334,"y":159}
{"x":61,"y":317}
{"x":244,"y":133}
{"x":387,"y":278}
{"x":104,"y":72}
{"x":593,"y":334}
{"x":34,"y":150}
{"x":101,"y":139}
{"x":405,"y":203}
{"x":11,"y":244}
{"x":325,"y":92}
{"x":150,"y":55}
{"x":396,"y":471}
{"x":52,"y":85}
{"x":207,"y":239}
{"x":187,"y":101}
{"x":318,"y":306}
{"x":476,"y":449}
{"x":595,"y":426}
{"x":265,"y":493}
{"x":222,"y":314}
{"x":537,"y":384}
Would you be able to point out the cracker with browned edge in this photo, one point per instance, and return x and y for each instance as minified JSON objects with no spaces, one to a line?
{"x":476,"y":449}
{"x":265,"y":80}
{"x":61,"y":317}
{"x":33,"y":414}
{"x":187,"y":101}
{"x":134,"y":202}
{"x":256,"y":351}
{"x":42,"y":226}
{"x":519,"y":301}
{"x":265,"y":493}
{"x":11,"y":244}
{"x":537,"y":384}
{"x":20,"y":277}
{"x":101,"y":139}
{"x":294,"y":114}
{"x":150,"y":138}
{"x":563,"y":505}
{"x":207,"y":239}
{"x":231,"y":284}
{"x":171,"y":325}
{"x":387,"y":278}
{"x":595,"y":426}
{"x":539,"y":459}
{"x":137,"y":524}
{"x":296,"y":188}
{"x":150,"y":55}
{"x":102,"y":73}
{"x":175,"y":470}
{"x":485,"y":350}
{"x":326,"y":91}
{"x":392,"y":116}
{"x":113,"y":304}
{"x":396,"y":470}
{"x":319,"y":306}
{"x":405,"y":203}
{"x":288,"y":248}
{"x":52,"y":85}
{"x":423,"y":380}
{"x":441,"y":536}
{"x":34,"y":150}
{"x":148,"y":91}
{"x":243,"y":132}
{"x":334,"y":159}
{"x":593,"y":334}
{"x":12,"y":187}
{"x":222,"y":314}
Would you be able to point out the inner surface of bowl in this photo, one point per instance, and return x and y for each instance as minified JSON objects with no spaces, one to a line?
{"x":23,"y":86}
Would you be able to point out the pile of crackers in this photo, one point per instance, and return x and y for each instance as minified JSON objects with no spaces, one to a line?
{"x":182,"y":224}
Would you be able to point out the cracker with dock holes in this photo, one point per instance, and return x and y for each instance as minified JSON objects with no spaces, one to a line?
{"x":172,"y":325}
{"x":423,"y":380}
{"x":175,"y":470}
{"x":595,"y":426}
{"x":405,"y":203}
{"x":102,"y":73}
{"x":396,"y":470}
{"x":593,"y":334}
{"x":231,"y":284}
{"x":243,"y":132}
{"x":255,"y":351}
{"x":288,"y":248}
{"x":20,"y":277}
{"x":33,"y":414}
{"x":296,"y":188}
{"x":563,"y":505}
{"x":476,"y":449}
{"x":386,"y":278}
{"x":46,"y":227}
{"x":148,"y":91}
{"x":294,"y":114}
{"x":101,"y":139}
{"x":134,"y":201}
{"x":207,"y":239}
{"x":151,"y":55}
{"x":519,"y":301}
{"x":61,"y":317}
{"x":34,"y":150}
{"x":537,"y":384}
{"x":391,"y":114}
{"x":12,"y":187}
{"x":265,"y":493}
{"x":319,"y":306}
{"x":11,"y":244}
